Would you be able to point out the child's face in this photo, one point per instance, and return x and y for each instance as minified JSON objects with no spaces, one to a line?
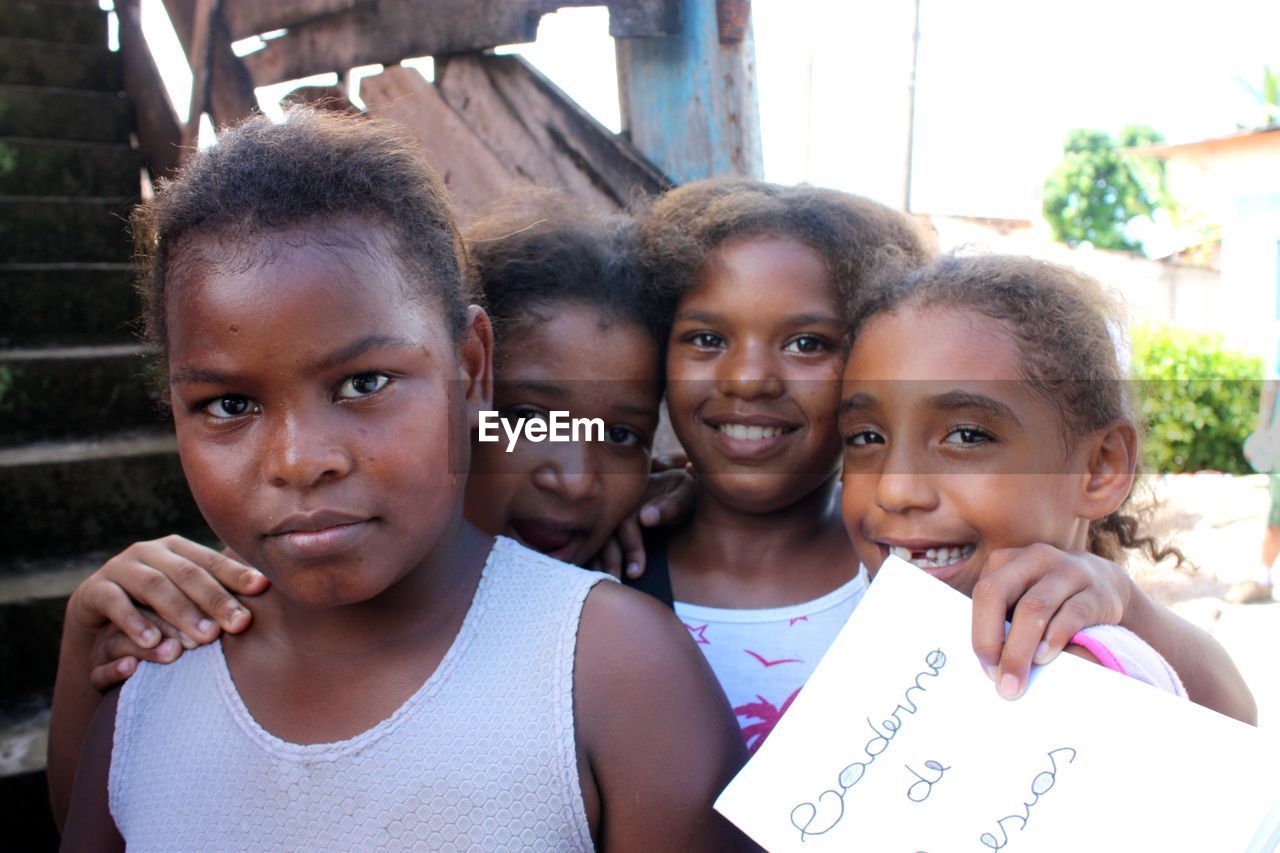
{"x":948,"y":453}
{"x":321,"y":412}
{"x":753,"y":371}
{"x":565,"y":499}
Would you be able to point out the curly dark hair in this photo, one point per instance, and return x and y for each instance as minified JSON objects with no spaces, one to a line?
{"x":315,"y":165}
{"x":686,"y":225}
{"x":1066,"y":326}
{"x":537,"y":249}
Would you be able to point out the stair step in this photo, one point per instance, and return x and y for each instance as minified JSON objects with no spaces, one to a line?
{"x":43,"y":112}
{"x":67,"y":497}
{"x":44,"y":304}
{"x":53,"y":578}
{"x":62,"y":392}
{"x":31,"y":630}
{"x":64,"y":228}
{"x":24,"y":791}
{"x":33,"y":599}
{"x":43,"y":167}
{"x":24,"y":734}
{"x":29,"y":824}
{"x":48,"y":20}
{"x":34,"y":62}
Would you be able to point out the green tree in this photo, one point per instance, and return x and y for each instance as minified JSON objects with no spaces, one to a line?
{"x":1101,"y":186}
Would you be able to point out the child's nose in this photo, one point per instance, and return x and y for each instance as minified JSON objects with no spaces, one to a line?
{"x":302,"y":453}
{"x":571,"y":472}
{"x":903,"y":487}
{"x":748,"y":372}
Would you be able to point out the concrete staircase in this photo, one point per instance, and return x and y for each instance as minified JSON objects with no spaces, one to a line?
{"x":87,"y":460}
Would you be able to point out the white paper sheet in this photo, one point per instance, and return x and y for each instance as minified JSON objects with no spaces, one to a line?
{"x":899,"y":742}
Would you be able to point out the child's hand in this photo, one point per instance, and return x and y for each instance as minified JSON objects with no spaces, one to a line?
{"x":115,"y":657}
{"x":624,"y":547}
{"x":1051,"y":595}
{"x":185,"y":583}
{"x":668,"y":499}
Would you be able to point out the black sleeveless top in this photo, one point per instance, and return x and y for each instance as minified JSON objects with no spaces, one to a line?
{"x":656,"y":580}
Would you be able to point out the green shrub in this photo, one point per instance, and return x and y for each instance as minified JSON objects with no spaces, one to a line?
{"x":1199,"y":400}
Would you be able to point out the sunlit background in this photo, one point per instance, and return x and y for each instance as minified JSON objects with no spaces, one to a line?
{"x":999,"y":84}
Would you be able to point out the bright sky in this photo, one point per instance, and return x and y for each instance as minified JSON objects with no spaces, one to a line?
{"x":1000,"y":83}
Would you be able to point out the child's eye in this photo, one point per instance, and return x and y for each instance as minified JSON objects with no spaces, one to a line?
{"x":230,"y":406}
{"x":967,"y":435}
{"x":862,"y":438}
{"x":807,"y":345}
{"x":705,"y":340}
{"x":519,"y":414}
{"x":623,"y":436}
{"x":362,"y":385}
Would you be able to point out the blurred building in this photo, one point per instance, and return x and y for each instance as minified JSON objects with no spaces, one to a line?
{"x":1235,"y":180}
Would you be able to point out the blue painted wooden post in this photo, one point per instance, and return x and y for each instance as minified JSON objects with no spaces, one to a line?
{"x":689,"y":101}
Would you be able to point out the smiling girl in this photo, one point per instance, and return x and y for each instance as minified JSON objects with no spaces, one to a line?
{"x":984,"y":416}
{"x":763,"y":575}
{"x":410,"y":681}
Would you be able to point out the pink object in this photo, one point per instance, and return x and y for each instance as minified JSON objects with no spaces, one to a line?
{"x":1099,"y":651}
{"x":1125,"y":652}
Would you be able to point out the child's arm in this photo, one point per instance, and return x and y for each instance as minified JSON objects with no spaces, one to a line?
{"x":1054,"y":594}
{"x":1206,"y":670}
{"x":169,"y":575}
{"x":90,"y":825}
{"x":668,"y":499}
{"x":660,"y":740}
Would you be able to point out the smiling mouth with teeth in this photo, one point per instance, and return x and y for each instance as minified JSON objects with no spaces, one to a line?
{"x":742,"y":432}
{"x":933,"y":558}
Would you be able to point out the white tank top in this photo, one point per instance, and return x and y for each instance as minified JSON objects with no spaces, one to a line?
{"x":481,"y":757}
{"x":763,"y":657}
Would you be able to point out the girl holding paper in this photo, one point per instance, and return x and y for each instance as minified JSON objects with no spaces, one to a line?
{"x":984,"y":418}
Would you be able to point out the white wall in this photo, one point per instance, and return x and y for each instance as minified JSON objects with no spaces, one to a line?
{"x":1153,"y":291}
{"x":1236,"y":183}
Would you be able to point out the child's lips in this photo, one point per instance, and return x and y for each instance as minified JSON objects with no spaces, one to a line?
{"x":321,"y":542}
{"x":552,"y":538}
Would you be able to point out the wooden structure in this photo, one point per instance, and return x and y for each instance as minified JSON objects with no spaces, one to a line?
{"x":689,"y":100}
{"x":87,"y":462}
{"x":487,"y":122}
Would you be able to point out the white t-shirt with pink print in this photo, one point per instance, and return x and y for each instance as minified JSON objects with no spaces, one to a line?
{"x":763,"y":657}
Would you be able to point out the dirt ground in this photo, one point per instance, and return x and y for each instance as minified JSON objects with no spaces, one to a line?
{"x":1217,"y":521}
